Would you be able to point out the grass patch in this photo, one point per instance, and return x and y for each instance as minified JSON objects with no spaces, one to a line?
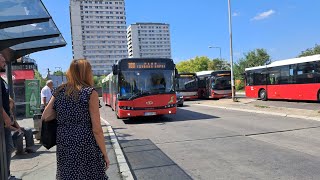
{"x":261,"y":106}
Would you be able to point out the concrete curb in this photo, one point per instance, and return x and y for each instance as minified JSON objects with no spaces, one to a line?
{"x":122,"y":163}
{"x":263,"y":112}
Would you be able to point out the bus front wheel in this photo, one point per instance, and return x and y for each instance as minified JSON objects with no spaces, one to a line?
{"x":263,"y":95}
{"x":319,"y":96}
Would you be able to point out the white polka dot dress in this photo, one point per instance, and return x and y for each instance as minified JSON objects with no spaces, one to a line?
{"x":78,"y":154}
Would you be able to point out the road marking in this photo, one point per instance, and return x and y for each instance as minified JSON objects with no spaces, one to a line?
{"x":122,"y":163}
{"x":262,"y":112}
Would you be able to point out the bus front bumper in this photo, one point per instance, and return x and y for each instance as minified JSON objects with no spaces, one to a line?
{"x":138,"y":113}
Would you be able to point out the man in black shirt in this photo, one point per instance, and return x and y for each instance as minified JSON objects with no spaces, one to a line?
{"x":6,"y":113}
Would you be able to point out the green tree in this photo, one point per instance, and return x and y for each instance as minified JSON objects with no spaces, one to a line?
{"x":59,"y":73}
{"x":194,"y":65}
{"x":218,"y":64}
{"x":257,"y":57}
{"x":200,"y":63}
{"x":38,"y":76}
{"x":310,"y":51}
{"x":184,"y":66}
{"x":98,"y":80}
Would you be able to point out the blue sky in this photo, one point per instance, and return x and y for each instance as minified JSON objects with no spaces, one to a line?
{"x":284,"y":28}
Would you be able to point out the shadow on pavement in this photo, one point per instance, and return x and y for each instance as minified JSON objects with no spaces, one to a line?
{"x":182,"y":115}
{"x":147,"y":161}
{"x":33,"y":155}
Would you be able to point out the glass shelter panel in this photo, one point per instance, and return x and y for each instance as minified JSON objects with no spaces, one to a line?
{"x":15,"y":10}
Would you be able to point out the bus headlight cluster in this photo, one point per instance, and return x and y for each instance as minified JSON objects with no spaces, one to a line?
{"x":126,"y":107}
{"x":170,"y":106}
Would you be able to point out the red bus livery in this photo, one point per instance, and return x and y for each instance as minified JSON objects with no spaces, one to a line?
{"x":106,"y":90}
{"x":142,"y":87}
{"x":187,"y":85}
{"x":292,"y":79}
{"x":214,"y":84}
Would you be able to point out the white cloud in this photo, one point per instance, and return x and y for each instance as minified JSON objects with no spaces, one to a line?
{"x":264,"y":15}
{"x":235,"y":14}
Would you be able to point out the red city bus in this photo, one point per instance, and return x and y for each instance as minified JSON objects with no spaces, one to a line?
{"x":214,"y":84}
{"x":292,"y":79}
{"x":143,"y":87}
{"x":187,"y":85}
{"x":106,"y":90}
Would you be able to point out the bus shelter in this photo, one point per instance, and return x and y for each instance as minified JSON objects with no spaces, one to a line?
{"x":25,"y":27}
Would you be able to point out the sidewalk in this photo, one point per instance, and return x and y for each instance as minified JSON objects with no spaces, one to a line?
{"x":42,"y":164}
{"x":248,"y":105}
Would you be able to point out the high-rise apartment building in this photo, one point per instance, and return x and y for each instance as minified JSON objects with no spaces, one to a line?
{"x":149,"y":40}
{"x":99,"y":32}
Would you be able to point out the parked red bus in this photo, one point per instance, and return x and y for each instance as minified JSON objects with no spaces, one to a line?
{"x":187,"y":85}
{"x":214,"y":84}
{"x":106,"y":90}
{"x":292,"y":79}
{"x":143,"y":87}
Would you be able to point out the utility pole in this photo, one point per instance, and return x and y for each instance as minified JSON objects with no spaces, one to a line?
{"x":48,"y":75}
{"x":231,"y":53}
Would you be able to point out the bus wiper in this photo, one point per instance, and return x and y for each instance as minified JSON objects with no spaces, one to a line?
{"x":139,"y":94}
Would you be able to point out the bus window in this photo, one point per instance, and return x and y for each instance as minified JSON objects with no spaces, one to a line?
{"x":259,"y":77}
{"x":249,"y":79}
{"x":274,"y":75}
{"x":317,"y":71}
{"x":292,"y":74}
{"x":284,"y":75}
{"x":305,"y":73}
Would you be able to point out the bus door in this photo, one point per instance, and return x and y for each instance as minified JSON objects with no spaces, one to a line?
{"x":201,"y":87}
{"x":274,"y":81}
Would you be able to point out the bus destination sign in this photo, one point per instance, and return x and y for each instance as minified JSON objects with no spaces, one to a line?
{"x":146,"y":65}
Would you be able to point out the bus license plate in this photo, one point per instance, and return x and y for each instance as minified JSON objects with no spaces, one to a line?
{"x":150,"y":113}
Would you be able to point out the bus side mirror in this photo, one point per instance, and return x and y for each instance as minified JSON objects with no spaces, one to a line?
{"x":176,"y":72}
{"x":114,"y":69}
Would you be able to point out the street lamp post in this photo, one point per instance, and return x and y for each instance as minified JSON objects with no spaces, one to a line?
{"x":231,"y":53}
{"x":218,"y":48}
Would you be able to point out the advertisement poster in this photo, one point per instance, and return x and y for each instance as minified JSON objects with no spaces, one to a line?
{"x":32,"y":97}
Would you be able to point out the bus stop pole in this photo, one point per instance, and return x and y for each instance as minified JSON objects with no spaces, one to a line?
{"x":9,"y":79}
{"x":3,"y":155}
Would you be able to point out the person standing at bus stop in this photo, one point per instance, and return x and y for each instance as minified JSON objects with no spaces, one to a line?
{"x":6,"y":114}
{"x":46,"y":93}
{"x":81,"y":149}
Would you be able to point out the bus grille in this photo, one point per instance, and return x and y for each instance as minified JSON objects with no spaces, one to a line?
{"x":148,"y":108}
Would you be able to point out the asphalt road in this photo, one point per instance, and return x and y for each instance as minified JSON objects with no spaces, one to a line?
{"x":206,"y":143}
{"x":309,"y":105}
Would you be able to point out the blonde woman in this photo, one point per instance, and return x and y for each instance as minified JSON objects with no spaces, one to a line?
{"x":81,"y":151}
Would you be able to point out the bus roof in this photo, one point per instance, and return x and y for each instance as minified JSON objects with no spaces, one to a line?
{"x":211,"y":72}
{"x":203,"y":73}
{"x":288,"y":62}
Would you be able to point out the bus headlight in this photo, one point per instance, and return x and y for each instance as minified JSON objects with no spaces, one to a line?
{"x":170,"y":106}
{"x":126,"y":107}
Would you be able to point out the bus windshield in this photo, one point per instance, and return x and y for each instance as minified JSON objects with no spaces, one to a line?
{"x":221,"y":83}
{"x":186,"y":83}
{"x":137,"y":83}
